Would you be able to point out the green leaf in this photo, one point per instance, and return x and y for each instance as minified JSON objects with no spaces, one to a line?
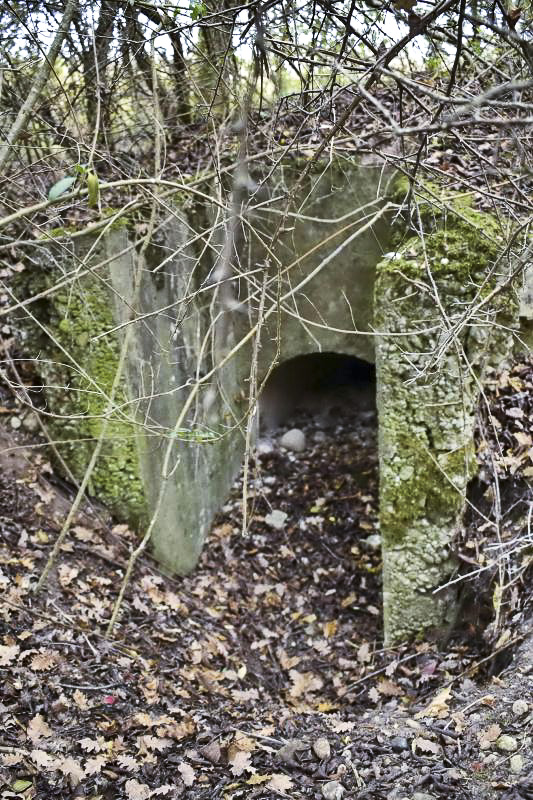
{"x":60,"y":187}
{"x":21,"y":785}
{"x":94,"y":189}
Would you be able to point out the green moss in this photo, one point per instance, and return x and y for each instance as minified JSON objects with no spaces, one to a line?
{"x":115,"y":479}
{"x":78,"y":395}
{"x":427,"y":453}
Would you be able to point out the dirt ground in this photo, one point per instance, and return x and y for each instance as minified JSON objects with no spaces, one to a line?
{"x":263,"y":674}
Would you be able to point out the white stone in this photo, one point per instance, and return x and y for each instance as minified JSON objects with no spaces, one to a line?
{"x":516,"y":763}
{"x":332,"y":790}
{"x":520,"y":707}
{"x":293,"y":440}
{"x":276,"y":519}
{"x":15,"y":423}
{"x":321,"y":748}
{"x":506,"y":743}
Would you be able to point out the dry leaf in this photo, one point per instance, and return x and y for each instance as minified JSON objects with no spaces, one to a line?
{"x":94,"y":765}
{"x":389,"y":688}
{"x":67,"y":574}
{"x":244,"y":742}
{"x":81,"y":700}
{"x":438,"y":707}
{"x":244,"y":696}
{"x":43,"y":759}
{"x":425,"y":745}
{"x":280,"y":783}
{"x":83,"y":534}
{"x":363,"y":653}
{"x":92,"y":745}
{"x":374,"y":695}
{"x":71,"y":768}
{"x":239,"y":762}
{"x":44,"y":660}
{"x":10,"y":759}
{"x":339,"y":726}
{"x":8,"y":654}
{"x":304,"y":682}
{"x":488,"y":736}
{"x":255,"y":780}
{"x":286,"y":661}
{"x":330,"y":628}
{"x":187,"y":773}
{"x":136,"y":790}
{"x":128,"y":762}
{"x":156,"y":743}
{"x":38,"y":728}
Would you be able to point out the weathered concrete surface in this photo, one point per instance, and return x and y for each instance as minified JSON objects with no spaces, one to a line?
{"x":430,"y":362}
{"x":171,"y":329}
{"x":320,"y":295}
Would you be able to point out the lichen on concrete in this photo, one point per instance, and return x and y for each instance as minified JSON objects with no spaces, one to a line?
{"x":430,"y":361}
{"x":77,"y":385}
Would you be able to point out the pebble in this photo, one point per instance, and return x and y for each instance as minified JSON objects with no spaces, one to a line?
{"x":332,"y":790}
{"x":293,"y":440}
{"x":15,"y":423}
{"x":265,"y":447}
{"x":423,"y":796}
{"x":507,"y":743}
{"x":319,"y":436}
{"x":516,"y":764}
{"x":399,"y":743}
{"x":322,"y":749}
{"x":520,"y":707}
{"x":276,"y":519}
{"x":31,"y":422}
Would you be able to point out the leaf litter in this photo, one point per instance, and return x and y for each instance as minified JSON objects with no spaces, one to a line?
{"x":262,"y":674}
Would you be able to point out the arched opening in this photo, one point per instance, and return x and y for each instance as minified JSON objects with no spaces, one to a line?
{"x":317,"y":386}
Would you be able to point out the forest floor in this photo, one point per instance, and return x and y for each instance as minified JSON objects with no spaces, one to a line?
{"x":263,"y":674}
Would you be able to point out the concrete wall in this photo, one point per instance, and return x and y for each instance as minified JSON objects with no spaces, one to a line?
{"x":296,"y":280}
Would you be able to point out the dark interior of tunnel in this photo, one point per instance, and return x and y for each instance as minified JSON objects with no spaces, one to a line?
{"x":321,"y":385}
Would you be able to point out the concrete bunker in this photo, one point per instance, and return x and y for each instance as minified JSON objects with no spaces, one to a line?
{"x":350,"y":285}
{"x":321,"y":385}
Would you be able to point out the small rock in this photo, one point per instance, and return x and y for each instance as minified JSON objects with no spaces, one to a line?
{"x":293,"y":440}
{"x":15,"y":423}
{"x":322,"y":749}
{"x":212,"y":752}
{"x":372,"y":542}
{"x":423,"y":796}
{"x":31,"y":422}
{"x":332,"y":790}
{"x":319,"y":437}
{"x":520,"y":707}
{"x":289,"y":749}
{"x":276,"y":519}
{"x":507,"y":743}
{"x":265,"y":447}
{"x":399,"y":743}
{"x":516,"y":763}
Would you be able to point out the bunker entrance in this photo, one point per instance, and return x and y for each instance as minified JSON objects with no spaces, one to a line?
{"x":319,"y":387}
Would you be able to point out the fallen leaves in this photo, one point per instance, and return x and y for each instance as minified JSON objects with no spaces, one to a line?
{"x":38,"y":728}
{"x":187,"y":773}
{"x":438,"y":707}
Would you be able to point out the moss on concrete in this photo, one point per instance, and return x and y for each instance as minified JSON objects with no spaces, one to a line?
{"x":79,"y":394}
{"x":430,"y":361}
